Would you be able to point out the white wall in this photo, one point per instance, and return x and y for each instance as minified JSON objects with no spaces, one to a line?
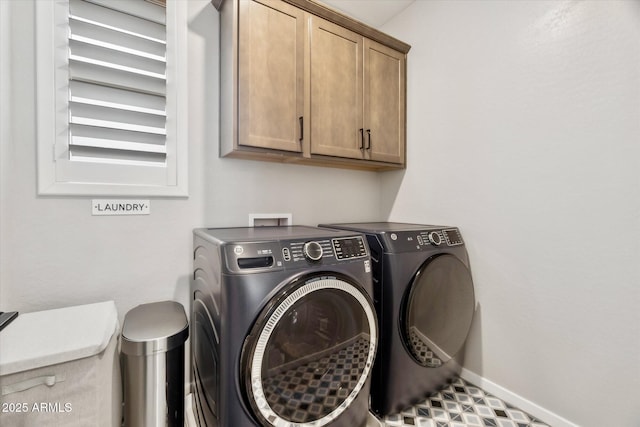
{"x":524,"y":130}
{"x":53,"y":253}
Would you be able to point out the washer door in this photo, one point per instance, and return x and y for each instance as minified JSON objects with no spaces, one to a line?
{"x":310,"y":352}
{"x":438,"y":310}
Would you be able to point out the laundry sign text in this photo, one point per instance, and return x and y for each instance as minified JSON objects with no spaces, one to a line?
{"x":120,"y":207}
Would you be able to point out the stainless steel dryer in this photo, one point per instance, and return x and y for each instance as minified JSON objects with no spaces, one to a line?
{"x":425,"y":301}
{"x":284,"y":330}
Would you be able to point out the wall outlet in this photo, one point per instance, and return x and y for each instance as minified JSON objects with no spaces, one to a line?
{"x":270,"y":219}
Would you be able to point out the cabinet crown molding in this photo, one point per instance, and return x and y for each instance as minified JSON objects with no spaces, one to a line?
{"x":339,"y":18}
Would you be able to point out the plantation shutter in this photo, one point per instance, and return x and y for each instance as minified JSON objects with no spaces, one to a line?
{"x":117,"y":82}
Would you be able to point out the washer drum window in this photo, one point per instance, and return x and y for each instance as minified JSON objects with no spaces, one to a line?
{"x":310,"y":353}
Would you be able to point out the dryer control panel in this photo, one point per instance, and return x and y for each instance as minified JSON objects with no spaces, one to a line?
{"x":448,"y":237}
{"x":406,"y":241}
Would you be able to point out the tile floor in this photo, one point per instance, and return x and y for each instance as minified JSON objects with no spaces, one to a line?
{"x":462,"y":404}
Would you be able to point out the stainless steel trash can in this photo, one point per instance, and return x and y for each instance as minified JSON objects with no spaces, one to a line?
{"x":153,"y":337}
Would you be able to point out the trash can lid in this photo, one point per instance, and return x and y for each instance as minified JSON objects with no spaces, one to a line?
{"x":49,"y":337}
{"x":153,"y":328}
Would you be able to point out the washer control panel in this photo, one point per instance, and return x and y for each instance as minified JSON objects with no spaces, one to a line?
{"x":349,"y":247}
{"x":259,"y":249}
{"x":340,"y":249}
{"x":309,"y":250}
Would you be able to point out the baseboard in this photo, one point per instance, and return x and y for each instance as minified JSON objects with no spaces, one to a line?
{"x":189,"y":418}
{"x":516,"y":400}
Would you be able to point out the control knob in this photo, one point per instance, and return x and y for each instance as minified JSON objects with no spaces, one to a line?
{"x":435,"y":238}
{"x":312,"y":251}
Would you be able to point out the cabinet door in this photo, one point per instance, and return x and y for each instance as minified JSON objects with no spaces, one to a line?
{"x":384,"y":103}
{"x":270,"y":75}
{"x":336,"y":90}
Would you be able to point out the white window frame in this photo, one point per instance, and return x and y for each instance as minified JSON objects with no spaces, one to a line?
{"x":57,"y":175}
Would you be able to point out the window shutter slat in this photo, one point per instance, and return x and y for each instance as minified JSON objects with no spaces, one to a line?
{"x":115,"y":156}
{"x":113,"y":77}
{"x":118,"y":145}
{"x":116,"y":135}
{"x":117,"y":82}
{"x":110,"y":17}
{"x":118,"y":98}
{"x":149,"y":11}
{"x":111,"y":58}
{"x":111,"y":124}
{"x":116,"y":37}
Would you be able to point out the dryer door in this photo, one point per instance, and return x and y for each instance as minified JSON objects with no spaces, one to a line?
{"x":437,"y":310}
{"x":310,"y":352}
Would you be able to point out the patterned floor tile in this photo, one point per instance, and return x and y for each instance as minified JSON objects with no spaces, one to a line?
{"x":461,"y":404}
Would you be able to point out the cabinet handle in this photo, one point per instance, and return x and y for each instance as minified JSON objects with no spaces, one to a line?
{"x":369,"y":139}
{"x":301,"y":119}
{"x":361,"y":138}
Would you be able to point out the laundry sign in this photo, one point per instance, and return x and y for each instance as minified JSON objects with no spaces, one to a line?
{"x":120,"y":207}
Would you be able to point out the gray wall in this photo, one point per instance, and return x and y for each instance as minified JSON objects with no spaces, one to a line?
{"x":524,"y":130}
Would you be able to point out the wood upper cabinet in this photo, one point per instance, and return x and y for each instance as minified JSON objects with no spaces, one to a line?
{"x":357,"y":105}
{"x":384,"y":103}
{"x":300,"y":82}
{"x":270,"y":75}
{"x":336,"y":90}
